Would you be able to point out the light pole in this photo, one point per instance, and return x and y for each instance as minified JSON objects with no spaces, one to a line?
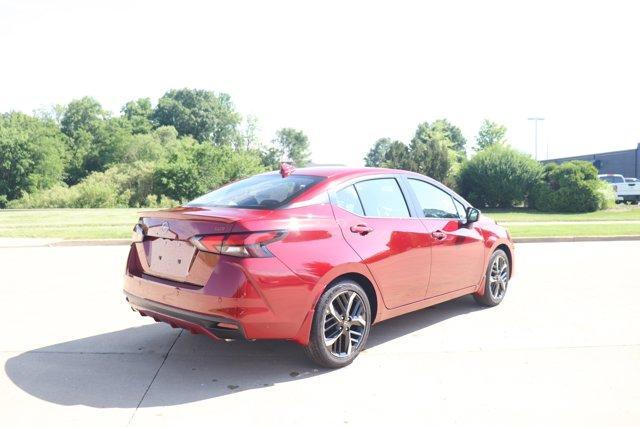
{"x":535,"y":132}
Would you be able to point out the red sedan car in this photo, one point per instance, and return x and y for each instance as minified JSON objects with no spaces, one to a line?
{"x":314,"y":255}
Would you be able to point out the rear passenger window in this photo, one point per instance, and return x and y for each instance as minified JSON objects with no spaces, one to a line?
{"x":347,"y":199}
{"x":382,"y":198}
{"x":434,"y":202}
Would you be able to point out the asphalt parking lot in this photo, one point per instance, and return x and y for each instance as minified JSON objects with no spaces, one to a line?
{"x":563,"y":349}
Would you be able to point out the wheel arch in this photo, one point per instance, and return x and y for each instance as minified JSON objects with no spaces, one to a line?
{"x":366,"y":285}
{"x":507,"y":250}
{"x":500,"y":245}
{"x":352,"y":271}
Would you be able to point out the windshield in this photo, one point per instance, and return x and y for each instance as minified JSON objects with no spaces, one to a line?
{"x":258,"y":192}
{"x":612,"y":179}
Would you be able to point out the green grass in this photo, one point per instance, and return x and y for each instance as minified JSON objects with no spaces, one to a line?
{"x":619,"y":213}
{"x":117,"y":223}
{"x":574,"y":230}
{"x":69,"y":223}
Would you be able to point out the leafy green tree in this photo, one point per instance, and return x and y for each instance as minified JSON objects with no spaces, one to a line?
{"x":490,"y":133}
{"x":32,"y":155}
{"x":499,"y":177}
{"x":443,"y":131}
{"x":98,"y":141}
{"x":81,"y":156}
{"x":201,"y":114}
{"x":429,"y":157}
{"x":152,"y":147}
{"x":250,"y":133}
{"x":139,"y":113}
{"x":166,"y":134}
{"x":53,"y":113}
{"x":429,"y":153}
{"x":192,"y":169}
{"x":290,"y":145}
{"x":397,"y":156}
{"x":110,"y":144}
{"x":376,"y":156}
{"x":82,"y":115}
{"x":82,"y":119}
{"x":271,"y":157}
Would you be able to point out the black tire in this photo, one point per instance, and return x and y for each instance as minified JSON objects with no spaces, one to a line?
{"x":490,"y":298}
{"x":335,"y":294}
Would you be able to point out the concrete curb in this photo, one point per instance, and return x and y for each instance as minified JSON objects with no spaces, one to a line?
{"x":96,"y":242}
{"x":575,"y":239}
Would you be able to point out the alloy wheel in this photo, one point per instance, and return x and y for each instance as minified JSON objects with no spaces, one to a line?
{"x":499,"y":277}
{"x":345,"y":321}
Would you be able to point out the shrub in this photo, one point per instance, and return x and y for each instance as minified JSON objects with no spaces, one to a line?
{"x":122,"y":185}
{"x":59,"y":196}
{"x":154,"y":201}
{"x":571,"y":187}
{"x":135,"y":181}
{"x":498,"y":177}
{"x":192,"y":169}
{"x":99,"y":190}
{"x":607,"y":195}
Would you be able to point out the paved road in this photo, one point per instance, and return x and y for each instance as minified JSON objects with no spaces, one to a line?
{"x":563,"y":349}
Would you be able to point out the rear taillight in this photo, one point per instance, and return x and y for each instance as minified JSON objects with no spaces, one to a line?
{"x":239,"y":244}
{"x":615,"y":188}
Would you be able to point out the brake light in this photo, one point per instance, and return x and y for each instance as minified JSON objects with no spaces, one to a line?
{"x":208,"y":243}
{"x":239,"y":244}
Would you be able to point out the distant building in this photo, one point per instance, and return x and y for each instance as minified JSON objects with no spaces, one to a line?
{"x":625,"y":162}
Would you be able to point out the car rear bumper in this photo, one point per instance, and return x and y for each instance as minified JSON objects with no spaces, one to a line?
{"x":257,"y":298}
{"x":214,"y":326}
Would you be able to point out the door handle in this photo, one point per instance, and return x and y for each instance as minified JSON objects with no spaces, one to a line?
{"x":362,"y":229}
{"x":439,"y":235}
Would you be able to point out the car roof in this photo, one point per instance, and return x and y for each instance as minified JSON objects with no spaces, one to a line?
{"x":341,"y":171}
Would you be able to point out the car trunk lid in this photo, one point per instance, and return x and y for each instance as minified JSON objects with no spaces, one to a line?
{"x":167,"y":252}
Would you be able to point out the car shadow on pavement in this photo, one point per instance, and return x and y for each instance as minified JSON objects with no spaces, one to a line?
{"x":154,"y":365}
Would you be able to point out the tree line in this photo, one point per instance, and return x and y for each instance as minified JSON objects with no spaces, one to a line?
{"x":498,"y":175}
{"x":192,"y":141}
{"x":80,"y":155}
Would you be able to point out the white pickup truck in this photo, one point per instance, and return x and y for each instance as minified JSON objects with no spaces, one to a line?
{"x":626,"y":191}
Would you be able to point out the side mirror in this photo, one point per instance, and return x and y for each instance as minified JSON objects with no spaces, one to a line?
{"x":473,"y":215}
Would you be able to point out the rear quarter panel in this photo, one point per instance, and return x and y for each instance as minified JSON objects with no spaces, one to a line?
{"x":314,"y":250}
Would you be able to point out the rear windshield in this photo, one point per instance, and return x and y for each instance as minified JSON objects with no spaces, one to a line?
{"x":613,"y":179}
{"x":258,"y":192}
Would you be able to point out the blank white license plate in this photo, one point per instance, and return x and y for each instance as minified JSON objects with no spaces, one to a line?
{"x":171,"y":257}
